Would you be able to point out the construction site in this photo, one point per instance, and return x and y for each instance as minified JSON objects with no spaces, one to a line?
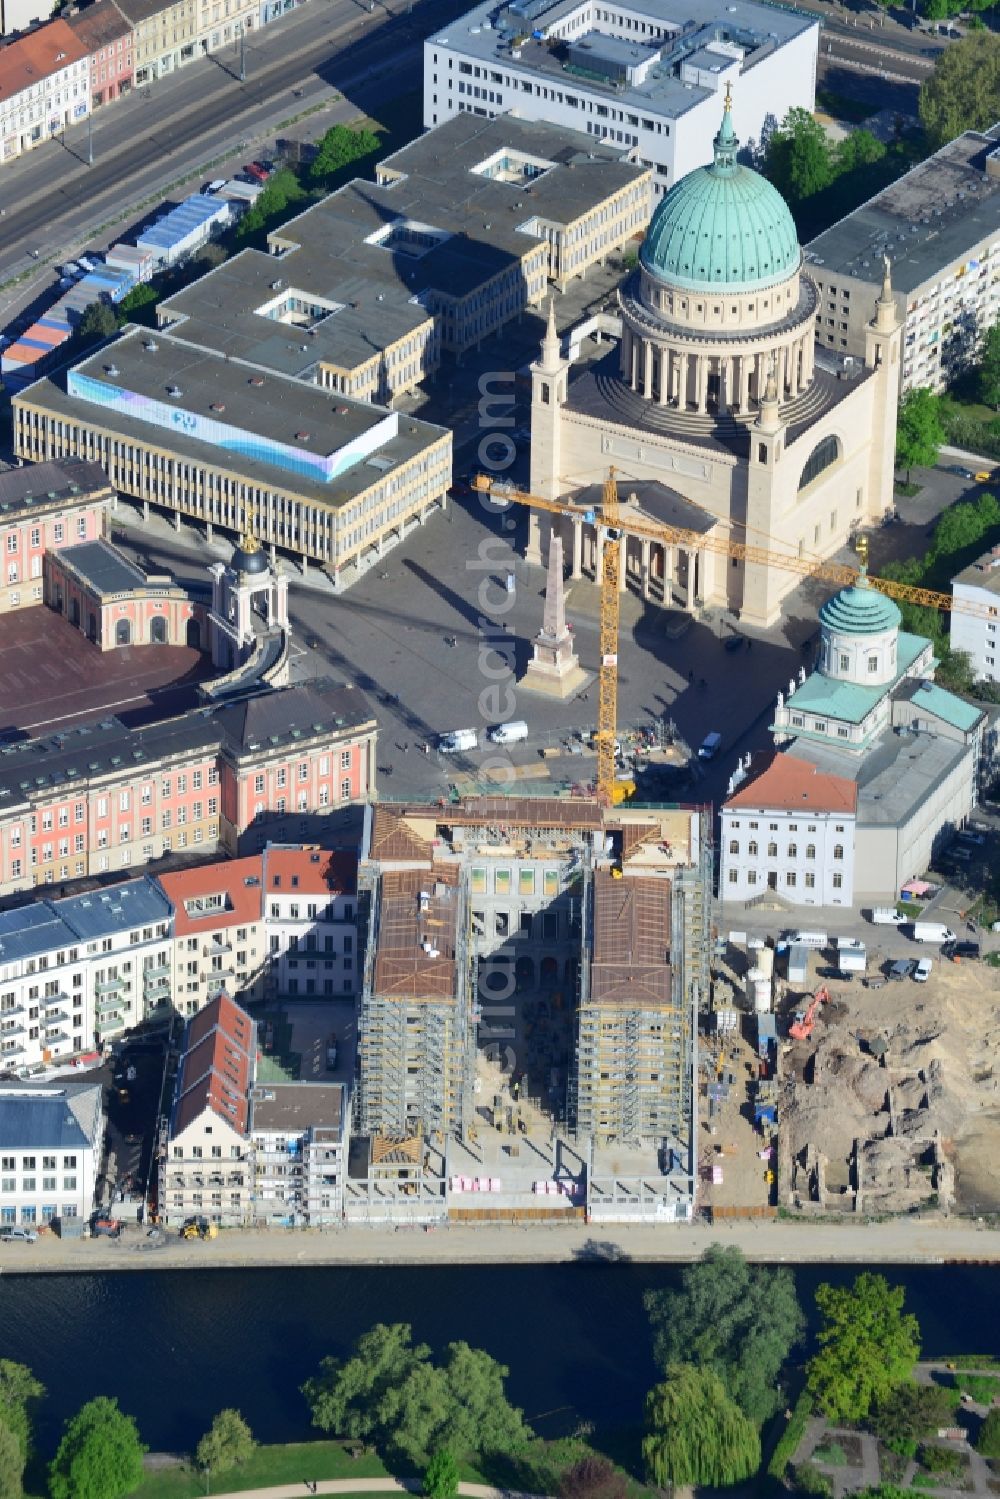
{"x":527,"y":1049}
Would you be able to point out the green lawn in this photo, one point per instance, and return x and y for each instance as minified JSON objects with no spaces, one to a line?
{"x":271,"y":1465}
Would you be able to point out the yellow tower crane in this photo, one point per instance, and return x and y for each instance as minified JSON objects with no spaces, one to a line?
{"x":615,"y":522}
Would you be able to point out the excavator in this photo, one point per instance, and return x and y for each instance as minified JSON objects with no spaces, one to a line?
{"x":801,"y":1027}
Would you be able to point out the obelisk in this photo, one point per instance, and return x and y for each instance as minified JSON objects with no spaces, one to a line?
{"x":554,"y":668}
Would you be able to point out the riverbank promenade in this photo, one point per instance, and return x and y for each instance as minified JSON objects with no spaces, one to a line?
{"x":901,"y":1241}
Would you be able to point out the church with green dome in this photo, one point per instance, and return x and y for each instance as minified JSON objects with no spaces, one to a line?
{"x":706,"y":389}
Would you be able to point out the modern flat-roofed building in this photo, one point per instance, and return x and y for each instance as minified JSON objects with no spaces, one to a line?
{"x":461,"y":231}
{"x":76,"y":972}
{"x":206,"y":1156}
{"x":977,"y":631}
{"x":648,"y":76}
{"x":197,"y":433}
{"x":51,"y":1149}
{"x":300,"y":1138}
{"x":940,"y":228}
{"x":44,"y":508}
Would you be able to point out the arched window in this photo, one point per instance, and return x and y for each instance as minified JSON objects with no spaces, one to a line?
{"x":772,"y":850}
{"x":810,"y":850}
{"x":838,"y":850}
{"x":734,"y":847}
{"x":793,"y":850}
{"x":822,"y":456}
{"x":752,"y":850}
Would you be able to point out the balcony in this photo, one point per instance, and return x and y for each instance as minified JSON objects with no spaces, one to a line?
{"x":155,"y":985}
{"x":109,"y":986}
{"x":158,"y":970}
{"x":59,"y":998}
{"x":215,"y":948}
{"x":108,"y":1023}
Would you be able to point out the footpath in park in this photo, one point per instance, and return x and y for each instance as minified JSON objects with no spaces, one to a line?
{"x":369,"y":1486}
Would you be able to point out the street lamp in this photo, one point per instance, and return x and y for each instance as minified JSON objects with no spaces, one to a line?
{"x":243,"y":57}
{"x":90,"y":140}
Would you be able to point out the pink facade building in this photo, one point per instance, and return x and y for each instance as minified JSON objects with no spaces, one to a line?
{"x":107,"y":36}
{"x":45,"y":507}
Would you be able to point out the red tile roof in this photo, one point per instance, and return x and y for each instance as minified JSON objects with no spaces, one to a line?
{"x":217,"y":1067}
{"x":238,"y":880}
{"x":99,"y":24}
{"x":37,"y":55}
{"x":311,"y":871}
{"x":787,"y":783}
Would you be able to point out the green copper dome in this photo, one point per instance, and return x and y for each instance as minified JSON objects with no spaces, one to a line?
{"x":859,"y":610}
{"x":722,"y":226}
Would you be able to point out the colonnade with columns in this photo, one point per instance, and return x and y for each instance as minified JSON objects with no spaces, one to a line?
{"x":675,"y":576}
{"x":684,"y":377}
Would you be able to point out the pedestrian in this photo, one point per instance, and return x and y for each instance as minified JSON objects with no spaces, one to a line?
{"x":749,"y":645}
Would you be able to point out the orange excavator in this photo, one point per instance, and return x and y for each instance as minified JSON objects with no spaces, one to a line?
{"x":801,"y":1027}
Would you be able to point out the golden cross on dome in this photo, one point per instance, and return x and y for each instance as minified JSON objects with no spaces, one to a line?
{"x":729,"y":98}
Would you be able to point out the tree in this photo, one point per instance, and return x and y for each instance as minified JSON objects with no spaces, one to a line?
{"x":799,"y":161}
{"x":338,"y":149}
{"x":283,"y":191}
{"x":99,"y":321}
{"x":389,"y":1391}
{"x":919,"y":433}
{"x":867,"y":1346}
{"x":988,"y":1440}
{"x":989,"y":368}
{"x":696,"y":1435}
{"x":962,"y":92}
{"x":738,"y":1320}
{"x":19,"y":1390}
{"x":593,"y":1477}
{"x":441,"y":1475}
{"x":954,"y":670}
{"x":908,"y":1412}
{"x":859,"y":149}
{"x":11,"y":1464}
{"x":227,"y":1443}
{"x":100,"y":1455}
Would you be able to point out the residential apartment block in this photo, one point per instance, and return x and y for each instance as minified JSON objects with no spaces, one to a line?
{"x":102,"y":29}
{"x":310,"y":921}
{"x":206,"y":1165}
{"x":76,"y":972}
{"x":648,"y":76}
{"x":300,"y":1136}
{"x":51,"y":1148}
{"x":45,"y":508}
{"x":976,"y":630}
{"x":44,"y":87}
{"x":103,"y":797}
{"x":940,"y":228}
{"x":169,"y":33}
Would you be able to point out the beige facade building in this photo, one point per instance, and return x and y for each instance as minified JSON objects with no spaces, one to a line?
{"x":714,"y":398}
{"x":940,"y":224}
{"x":169,"y":33}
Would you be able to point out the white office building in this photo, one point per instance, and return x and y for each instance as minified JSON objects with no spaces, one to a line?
{"x":977,"y":630}
{"x":648,"y":75}
{"x":51,"y":1148}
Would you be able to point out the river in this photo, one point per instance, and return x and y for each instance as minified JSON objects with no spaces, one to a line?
{"x":174,"y":1346}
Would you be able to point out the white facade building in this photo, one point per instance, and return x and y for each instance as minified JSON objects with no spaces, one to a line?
{"x":299,"y":1153}
{"x":648,"y":75}
{"x":74,"y":973}
{"x":44,"y":87}
{"x":51,"y":1149}
{"x":791,"y":830}
{"x":310,"y":910}
{"x":978,"y":631}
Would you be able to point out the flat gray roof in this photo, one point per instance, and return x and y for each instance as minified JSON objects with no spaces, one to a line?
{"x":691,"y":25}
{"x":984,"y":573}
{"x":50,"y":486}
{"x":259,"y":404}
{"x":48,"y":924}
{"x":924,"y":222}
{"x":103,"y":567}
{"x":379,"y":294}
{"x":894,"y":778}
{"x":297,"y":1107}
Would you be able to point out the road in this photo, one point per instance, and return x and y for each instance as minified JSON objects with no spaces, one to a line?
{"x":172,"y":130}
{"x":900,"y":1242}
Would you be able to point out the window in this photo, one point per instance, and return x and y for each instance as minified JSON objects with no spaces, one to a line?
{"x":752,"y":848}
{"x":793,"y":850}
{"x":772,"y":850}
{"x":258,"y":784}
{"x":873,"y":663}
{"x":791,"y":879}
{"x":838,"y":851}
{"x":845,"y":661}
{"x":822,"y":456}
{"x":810,"y":882}
{"x":733,"y":876}
{"x":810,"y":850}
{"x":734,"y":846}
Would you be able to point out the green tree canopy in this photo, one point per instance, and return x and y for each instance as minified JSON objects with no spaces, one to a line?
{"x":989,"y":368}
{"x":867,"y":1346}
{"x":100,"y":1455}
{"x":99,"y":321}
{"x":11,"y":1464}
{"x":736,"y":1319}
{"x":799,"y":160}
{"x":338,"y":149}
{"x":695,"y":1434}
{"x":19,"y":1391}
{"x":905,"y":1414}
{"x":962,"y":92}
{"x":226,"y":1444}
{"x":282,"y":192}
{"x":919,"y":433}
{"x":860,"y":148}
{"x":390,"y":1391}
{"x":988,"y":1440}
{"x":441,"y":1475}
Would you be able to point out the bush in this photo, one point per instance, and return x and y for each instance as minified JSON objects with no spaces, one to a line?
{"x":988,"y":1441}
{"x":982,"y":1387}
{"x":935,"y":1459}
{"x":809,"y":1480}
{"x":791,"y":1436}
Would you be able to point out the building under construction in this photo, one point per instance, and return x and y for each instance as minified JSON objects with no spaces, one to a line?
{"x":527,"y":1026}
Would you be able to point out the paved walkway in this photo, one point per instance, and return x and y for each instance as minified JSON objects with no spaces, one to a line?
{"x":369,"y":1486}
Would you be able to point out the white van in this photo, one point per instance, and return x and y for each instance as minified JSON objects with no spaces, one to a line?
{"x":458,"y":740}
{"x":932,"y":931}
{"x":509,"y":733}
{"x":886,"y":916}
{"x":815,"y":940}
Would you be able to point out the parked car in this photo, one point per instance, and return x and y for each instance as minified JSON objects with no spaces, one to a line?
{"x":957,"y":468}
{"x":902,"y":968}
{"x":19,"y":1235}
{"x":956,"y":951}
{"x":733,"y":643}
{"x":984,"y":476}
{"x":256,"y":171}
{"x":922,"y":972}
